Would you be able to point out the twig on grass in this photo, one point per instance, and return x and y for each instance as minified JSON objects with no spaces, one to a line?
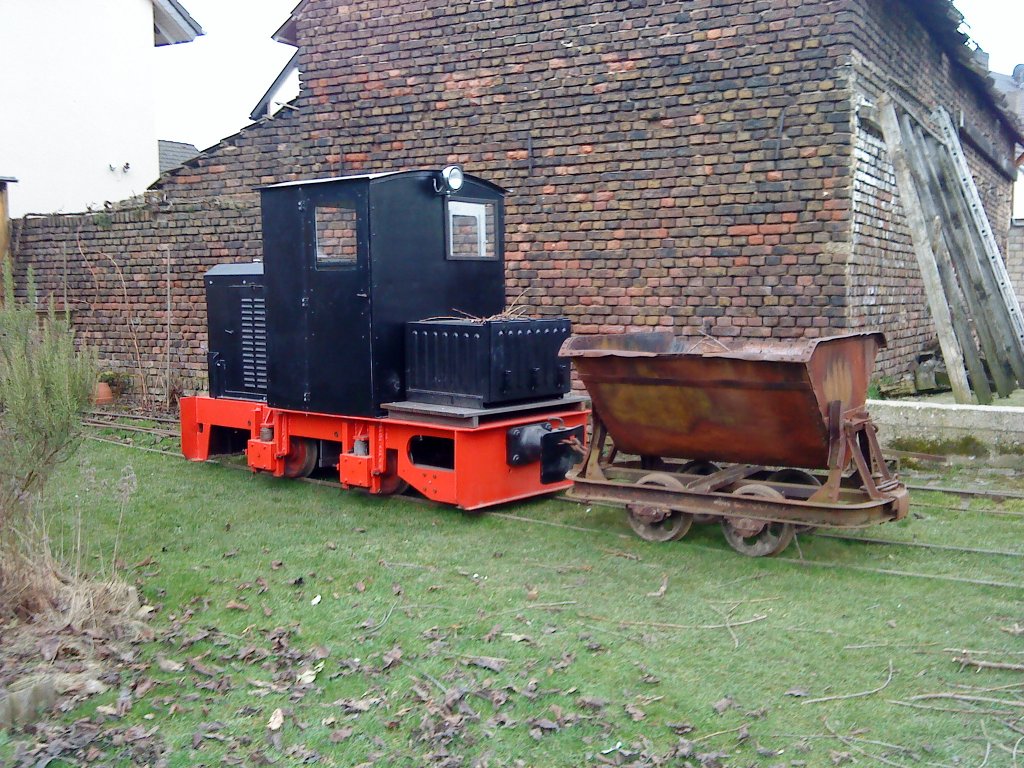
{"x":849,"y":743}
{"x":531,"y":607}
{"x":858,"y":695}
{"x":718,"y":733}
{"x":377,"y":627}
{"x":746,"y":601}
{"x":1011,"y":726}
{"x":426,"y":675}
{"x":988,"y":751}
{"x":727,"y":616}
{"x":967,"y":698}
{"x":664,"y":625}
{"x":965,"y":660}
{"x":660,"y":591}
{"x":956,"y":710}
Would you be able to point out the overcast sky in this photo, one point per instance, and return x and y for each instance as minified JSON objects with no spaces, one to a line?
{"x":997,"y":26}
{"x":208,"y":87}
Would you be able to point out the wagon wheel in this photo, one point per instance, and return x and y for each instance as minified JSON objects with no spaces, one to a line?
{"x":656,"y":523}
{"x":757,"y":538}
{"x":302,"y":458}
{"x":794,"y":477}
{"x":702,"y":468}
{"x":651,"y":462}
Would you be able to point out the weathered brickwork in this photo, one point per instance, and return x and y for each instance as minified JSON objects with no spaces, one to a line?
{"x":687,"y":165}
{"x":882,"y":271}
{"x":1015,"y":258}
{"x":667,"y":162}
{"x":893,"y":53}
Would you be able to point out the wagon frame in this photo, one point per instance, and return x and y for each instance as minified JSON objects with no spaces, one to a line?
{"x":760,"y":505}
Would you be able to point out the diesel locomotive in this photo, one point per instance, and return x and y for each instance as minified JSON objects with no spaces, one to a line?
{"x":371,"y":344}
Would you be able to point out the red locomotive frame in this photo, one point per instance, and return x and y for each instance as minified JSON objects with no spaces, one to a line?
{"x":378,"y":454}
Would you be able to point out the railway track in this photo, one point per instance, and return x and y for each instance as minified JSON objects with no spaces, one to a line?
{"x":865,"y":540}
{"x":115,"y":420}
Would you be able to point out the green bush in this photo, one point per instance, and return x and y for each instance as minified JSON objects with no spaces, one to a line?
{"x":45,"y":385}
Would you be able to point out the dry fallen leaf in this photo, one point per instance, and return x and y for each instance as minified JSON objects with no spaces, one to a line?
{"x":276,"y":720}
{"x":517,"y":638}
{"x":635,"y":713}
{"x":392,"y":657}
{"x":341,"y":734}
{"x":234,"y":605}
{"x":488,"y":662}
{"x":660,"y":591}
{"x":168,"y":665}
{"x":723,"y":704}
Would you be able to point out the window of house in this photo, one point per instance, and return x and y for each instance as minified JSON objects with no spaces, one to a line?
{"x":471,"y":230}
{"x":337,"y":244}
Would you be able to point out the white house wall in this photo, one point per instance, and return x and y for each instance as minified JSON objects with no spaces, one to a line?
{"x":78,"y":120}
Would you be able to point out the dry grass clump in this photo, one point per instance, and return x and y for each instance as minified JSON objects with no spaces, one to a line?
{"x":56,"y":625}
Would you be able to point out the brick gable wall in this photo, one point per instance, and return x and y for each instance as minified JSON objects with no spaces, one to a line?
{"x":689,"y":166}
{"x":893,"y":53}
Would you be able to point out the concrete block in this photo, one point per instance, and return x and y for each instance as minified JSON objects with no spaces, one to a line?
{"x":1000,"y":428}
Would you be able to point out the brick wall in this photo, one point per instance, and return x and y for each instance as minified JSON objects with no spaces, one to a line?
{"x":1015,"y":257}
{"x":686,"y":165}
{"x":669,"y":164}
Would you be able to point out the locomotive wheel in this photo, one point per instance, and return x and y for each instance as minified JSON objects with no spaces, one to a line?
{"x":302,"y":458}
{"x":757,"y":538}
{"x":390,"y":483}
{"x":673,"y":524}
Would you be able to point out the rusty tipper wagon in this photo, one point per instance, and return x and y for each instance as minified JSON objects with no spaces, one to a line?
{"x":766,"y":437}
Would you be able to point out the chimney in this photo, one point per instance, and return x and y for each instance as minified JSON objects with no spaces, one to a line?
{"x":5,"y":218}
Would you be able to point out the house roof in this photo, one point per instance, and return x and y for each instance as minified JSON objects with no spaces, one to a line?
{"x":262,"y":109}
{"x":287,"y":32}
{"x":172,"y":23}
{"x":943,"y":20}
{"x":174,"y":153}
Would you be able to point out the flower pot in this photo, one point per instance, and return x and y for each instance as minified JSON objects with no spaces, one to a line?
{"x":102,"y":394}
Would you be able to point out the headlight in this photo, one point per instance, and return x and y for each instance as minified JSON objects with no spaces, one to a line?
{"x":453,"y":177}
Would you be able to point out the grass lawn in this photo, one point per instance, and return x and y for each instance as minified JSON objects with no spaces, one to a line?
{"x":395,"y":632}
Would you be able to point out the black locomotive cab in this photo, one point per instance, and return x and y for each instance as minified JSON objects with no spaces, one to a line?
{"x":349,"y":261}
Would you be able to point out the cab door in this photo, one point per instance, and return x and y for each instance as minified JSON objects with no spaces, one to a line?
{"x":337,"y":302}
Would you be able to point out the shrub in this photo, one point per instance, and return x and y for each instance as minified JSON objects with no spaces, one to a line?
{"x":45,"y":384}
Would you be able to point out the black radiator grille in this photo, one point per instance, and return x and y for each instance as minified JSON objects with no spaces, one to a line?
{"x":254,"y":344}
